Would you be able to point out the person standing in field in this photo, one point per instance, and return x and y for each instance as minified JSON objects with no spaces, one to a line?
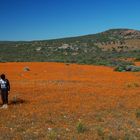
{"x":5,"y":88}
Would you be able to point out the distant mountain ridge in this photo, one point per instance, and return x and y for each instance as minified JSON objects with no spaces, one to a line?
{"x":121,"y":33}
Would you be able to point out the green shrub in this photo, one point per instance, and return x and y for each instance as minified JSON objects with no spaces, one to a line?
{"x":100,"y":132}
{"x":138,"y":113}
{"x":123,"y":68}
{"x":127,"y":137}
{"x":80,"y":127}
{"x":120,"y":69}
{"x":52,"y":135}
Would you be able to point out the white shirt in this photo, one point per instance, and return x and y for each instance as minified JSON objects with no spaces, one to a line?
{"x":3,"y":84}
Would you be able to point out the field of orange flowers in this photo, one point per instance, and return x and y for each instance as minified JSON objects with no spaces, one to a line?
{"x":57,"y":101}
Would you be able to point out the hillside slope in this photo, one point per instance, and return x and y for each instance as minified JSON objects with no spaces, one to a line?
{"x":106,"y":48}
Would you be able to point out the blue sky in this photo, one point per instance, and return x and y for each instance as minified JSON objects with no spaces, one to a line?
{"x":47,"y":19}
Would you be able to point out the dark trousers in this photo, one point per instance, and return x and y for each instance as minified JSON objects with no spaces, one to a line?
{"x":4,"y":96}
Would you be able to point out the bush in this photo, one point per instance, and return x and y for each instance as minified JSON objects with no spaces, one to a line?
{"x":136,"y":69}
{"x":100,"y":132}
{"x":80,"y":127}
{"x":120,"y":68}
{"x":52,"y":135}
{"x":133,"y":85}
{"x":123,"y":68}
{"x":138,"y":113}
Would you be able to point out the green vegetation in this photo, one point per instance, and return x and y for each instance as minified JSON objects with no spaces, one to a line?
{"x":126,"y":67}
{"x":81,"y":50}
{"x":138,"y":113}
{"x":80,"y":127}
{"x":100,"y":132}
{"x":52,"y":135}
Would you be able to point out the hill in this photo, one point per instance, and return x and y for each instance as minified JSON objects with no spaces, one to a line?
{"x":111,"y":47}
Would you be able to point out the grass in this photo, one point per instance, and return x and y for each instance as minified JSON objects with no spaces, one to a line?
{"x":100,"y":132}
{"x":81,"y":128}
{"x":138,"y":113}
{"x":52,"y":135}
{"x":133,"y":85}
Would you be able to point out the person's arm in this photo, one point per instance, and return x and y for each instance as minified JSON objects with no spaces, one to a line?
{"x":8,"y":85}
{"x":0,"y":84}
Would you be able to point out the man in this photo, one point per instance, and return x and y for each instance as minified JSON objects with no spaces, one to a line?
{"x":4,"y":87}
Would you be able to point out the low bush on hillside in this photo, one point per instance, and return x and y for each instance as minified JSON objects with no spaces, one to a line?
{"x":125,"y":68}
{"x":81,"y":51}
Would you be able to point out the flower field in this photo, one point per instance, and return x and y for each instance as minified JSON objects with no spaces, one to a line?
{"x":58,"y":101}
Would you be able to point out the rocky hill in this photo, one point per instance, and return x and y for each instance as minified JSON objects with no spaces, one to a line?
{"x":106,"y":48}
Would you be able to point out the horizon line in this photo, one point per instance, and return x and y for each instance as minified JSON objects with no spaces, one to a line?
{"x":66,"y":37}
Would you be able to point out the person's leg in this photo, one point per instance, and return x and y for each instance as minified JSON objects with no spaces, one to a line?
{"x":6,"y":97}
{"x":2,"y":97}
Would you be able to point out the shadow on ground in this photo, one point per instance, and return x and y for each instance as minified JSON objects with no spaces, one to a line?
{"x":17,"y":101}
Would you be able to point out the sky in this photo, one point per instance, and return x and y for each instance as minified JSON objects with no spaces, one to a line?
{"x":49,"y":19}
